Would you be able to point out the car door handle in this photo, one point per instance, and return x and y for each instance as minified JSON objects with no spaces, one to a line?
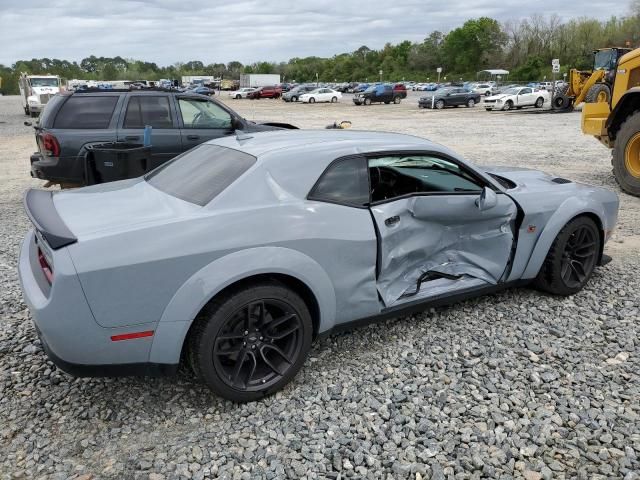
{"x":193,"y":137}
{"x":389,"y":222}
{"x":132,"y":137}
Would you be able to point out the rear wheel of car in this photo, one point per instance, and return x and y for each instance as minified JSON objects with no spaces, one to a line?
{"x":312,"y":100}
{"x":251,"y":342}
{"x":539,"y":102}
{"x":571,"y":258}
{"x":367,"y":101}
{"x":471,"y":103}
{"x":294,"y":99}
{"x":334,"y":99}
{"x":508,"y":106}
{"x":238,"y":97}
{"x":440,"y":104}
{"x":396,"y":100}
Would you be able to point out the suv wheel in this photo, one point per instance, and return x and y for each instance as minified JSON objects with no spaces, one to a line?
{"x":367,"y":101}
{"x":396,"y":100}
{"x":251,"y":342}
{"x":440,"y":104}
{"x":471,"y":103}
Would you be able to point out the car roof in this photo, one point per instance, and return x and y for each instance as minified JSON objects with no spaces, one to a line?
{"x":333,"y":142}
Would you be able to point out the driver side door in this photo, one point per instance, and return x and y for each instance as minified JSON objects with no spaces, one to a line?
{"x":201,"y":120}
{"x":438,"y":234}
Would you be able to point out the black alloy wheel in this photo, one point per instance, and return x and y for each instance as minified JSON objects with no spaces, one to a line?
{"x":579,"y":256}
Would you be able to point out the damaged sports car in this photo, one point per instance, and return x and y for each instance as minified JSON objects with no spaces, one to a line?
{"x":237,"y":254}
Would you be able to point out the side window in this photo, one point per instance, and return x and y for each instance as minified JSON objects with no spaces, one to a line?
{"x":345,"y":182}
{"x":86,"y":111}
{"x":400,"y":175}
{"x":203,"y":114}
{"x":148,"y":110}
{"x":525,"y":91}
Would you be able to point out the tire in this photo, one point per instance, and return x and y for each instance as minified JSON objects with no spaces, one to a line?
{"x":397,"y":100}
{"x":26,"y":111}
{"x":600,"y":92}
{"x":367,"y":101}
{"x":215,"y":360}
{"x":508,"y":106}
{"x":487,"y":94}
{"x":471,"y":103}
{"x":560,"y":99}
{"x":238,"y":97}
{"x":626,"y":155}
{"x":571,"y":259}
{"x":312,"y":100}
{"x":539,"y":102}
{"x":334,"y":99}
{"x":387,"y":102}
{"x":294,"y":99}
{"x":439,"y":104}
{"x":488,"y":109}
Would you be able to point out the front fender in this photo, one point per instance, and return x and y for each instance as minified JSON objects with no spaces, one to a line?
{"x":219,"y":274}
{"x":570,"y":208}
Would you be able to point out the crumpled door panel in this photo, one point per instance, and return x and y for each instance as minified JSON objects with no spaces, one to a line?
{"x":441,"y":233}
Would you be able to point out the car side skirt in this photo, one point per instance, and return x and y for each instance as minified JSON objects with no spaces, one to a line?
{"x":417,"y":306}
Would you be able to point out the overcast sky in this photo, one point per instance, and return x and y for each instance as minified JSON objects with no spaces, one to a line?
{"x":168,"y":31}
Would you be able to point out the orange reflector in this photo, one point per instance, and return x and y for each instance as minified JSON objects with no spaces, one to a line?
{"x":131,"y":336}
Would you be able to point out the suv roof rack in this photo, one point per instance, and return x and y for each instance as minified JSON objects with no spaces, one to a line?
{"x":107,"y":90}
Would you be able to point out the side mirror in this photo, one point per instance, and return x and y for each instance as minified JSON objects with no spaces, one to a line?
{"x":237,"y":124}
{"x":487,"y":199}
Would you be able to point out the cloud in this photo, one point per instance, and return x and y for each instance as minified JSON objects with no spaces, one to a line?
{"x":169,"y":31}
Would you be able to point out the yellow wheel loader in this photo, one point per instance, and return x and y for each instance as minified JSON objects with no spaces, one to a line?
{"x":616,"y":121}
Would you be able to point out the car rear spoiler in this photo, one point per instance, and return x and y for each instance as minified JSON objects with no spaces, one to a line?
{"x":45,"y":218}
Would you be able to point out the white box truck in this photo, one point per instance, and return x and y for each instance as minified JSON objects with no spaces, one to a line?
{"x":255,"y":80}
{"x":36,"y":90}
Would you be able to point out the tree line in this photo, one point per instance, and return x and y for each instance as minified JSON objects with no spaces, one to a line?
{"x":524,"y":47}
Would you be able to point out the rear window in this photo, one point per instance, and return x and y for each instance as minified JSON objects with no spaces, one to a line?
{"x":50,"y":109}
{"x":86,"y":112}
{"x":200,"y":174}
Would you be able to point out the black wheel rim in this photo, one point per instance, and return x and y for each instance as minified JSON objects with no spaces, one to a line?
{"x":257,"y":344}
{"x":579,"y":256}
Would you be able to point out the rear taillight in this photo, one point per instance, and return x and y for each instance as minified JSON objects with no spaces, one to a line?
{"x":46,"y":268}
{"x":50,"y":145}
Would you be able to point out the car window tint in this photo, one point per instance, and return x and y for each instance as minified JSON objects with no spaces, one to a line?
{"x":203,"y":114}
{"x":86,"y":111}
{"x":399,"y":175}
{"x":524,"y":91}
{"x":344,"y":182}
{"x":200,"y":174}
{"x":148,"y":110}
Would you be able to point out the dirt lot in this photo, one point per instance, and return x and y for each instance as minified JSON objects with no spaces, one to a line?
{"x":516,"y":385}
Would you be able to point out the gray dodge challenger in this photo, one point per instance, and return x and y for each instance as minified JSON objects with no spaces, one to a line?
{"x":237,"y":254}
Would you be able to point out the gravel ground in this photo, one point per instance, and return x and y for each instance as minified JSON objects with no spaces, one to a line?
{"x":514,"y":385}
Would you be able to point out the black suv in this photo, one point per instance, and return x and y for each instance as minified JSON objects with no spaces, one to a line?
{"x":73,"y":122}
{"x":378,"y":94}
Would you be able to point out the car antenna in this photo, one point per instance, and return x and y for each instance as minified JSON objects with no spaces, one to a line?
{"x":242,"y":135}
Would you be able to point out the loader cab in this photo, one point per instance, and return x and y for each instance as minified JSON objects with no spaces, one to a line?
{"x":607,"y":58}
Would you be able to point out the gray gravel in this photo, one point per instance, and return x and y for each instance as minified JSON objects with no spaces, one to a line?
{"x":515,"y":385}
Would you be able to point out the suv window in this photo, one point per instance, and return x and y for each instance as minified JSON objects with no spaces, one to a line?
{"x":399,"y":175}
{"x":86,"y":111}
{"x":344,"y":182}
{"x":201,"y":173}
{"x":198,"y":113}
{"x":148,"y":110}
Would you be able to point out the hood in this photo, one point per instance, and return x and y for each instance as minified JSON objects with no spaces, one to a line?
{"x":497,"y":97}
{"x":528,"y":180}
{"x":118,"y":206}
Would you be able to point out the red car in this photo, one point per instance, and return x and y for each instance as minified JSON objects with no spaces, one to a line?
{"x":265,"y":92}
{"x":401,"y":89}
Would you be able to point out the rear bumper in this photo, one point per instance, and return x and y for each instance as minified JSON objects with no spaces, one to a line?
{"x":58,"y":169}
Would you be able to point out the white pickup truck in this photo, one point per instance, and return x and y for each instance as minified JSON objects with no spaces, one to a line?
{"x":36,"y":90}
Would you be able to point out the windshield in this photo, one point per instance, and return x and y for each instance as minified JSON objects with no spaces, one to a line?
{"x":371,"y":89}
{"x":200,"y":174}
{"x":511,"y":91}
{"x":445,"y":90}
{"x":604,"y":60}
{"x":43,"y":82}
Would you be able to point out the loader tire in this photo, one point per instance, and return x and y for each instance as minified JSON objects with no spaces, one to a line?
{"x":626,"y":155}
{"x":600,"y":92}
{"x":561,"y":101}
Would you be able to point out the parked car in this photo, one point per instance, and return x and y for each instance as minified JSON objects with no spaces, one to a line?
{"x":517,"y":97}
{"x":400,"y":89}
{"x":293,"y":95}
{"x":321,"y":95}
{"x":73,"y":121}
{"x":546,"y":86}
{"x":265,"y":92}
{"x":377,"y":94}
{"x":485,"y":89}
{"x":198,"y":260}
{"x":449,"y":97}
{"x":241,"y":93}
{"x":203,"y":91}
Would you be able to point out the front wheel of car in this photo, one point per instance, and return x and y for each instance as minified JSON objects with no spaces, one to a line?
{"x":440,"y":104}
{"x":238,"y":97}
{"x":367,"y":101}
{"x":294,"y":99}
{"x":396,"y":100}
{"x":471,"y":103}
{"x":250,"y":343}
{"x":312,"y":100}
{"x":508,"y":106}
{"x":571,"y":259}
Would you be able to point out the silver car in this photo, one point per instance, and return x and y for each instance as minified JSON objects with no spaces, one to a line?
{"x":237,"y":254}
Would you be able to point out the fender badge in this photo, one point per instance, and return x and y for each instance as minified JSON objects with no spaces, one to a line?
{"x":531,"y":229}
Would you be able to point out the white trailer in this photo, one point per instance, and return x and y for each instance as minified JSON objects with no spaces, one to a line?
{"x":197,"y":80}
{"x":255,"y":80}
{"x":36,"y":90}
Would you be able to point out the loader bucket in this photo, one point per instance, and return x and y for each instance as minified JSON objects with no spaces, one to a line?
{"x":594,"y":119}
